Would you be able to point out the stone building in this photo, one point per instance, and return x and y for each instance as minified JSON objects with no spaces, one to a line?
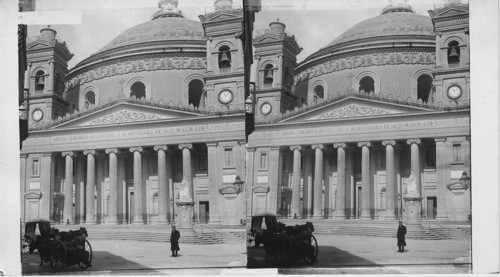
{"x":112,"y":139}
{"x":343,"y":133}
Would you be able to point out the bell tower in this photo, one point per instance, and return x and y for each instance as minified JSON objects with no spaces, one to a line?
{"x":224,"y":80}
{"x":276,"y":53}
{"x":45,"y":77}
{"x":452,"y":71}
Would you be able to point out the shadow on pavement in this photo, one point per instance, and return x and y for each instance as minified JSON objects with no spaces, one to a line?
{"x":328,"y":256}
{"x":101,"y":261}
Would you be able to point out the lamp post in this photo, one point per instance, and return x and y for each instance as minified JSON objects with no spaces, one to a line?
{"x":465,"y":181}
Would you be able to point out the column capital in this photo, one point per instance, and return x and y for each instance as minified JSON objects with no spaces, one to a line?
{"x":388,"y":142}
{"x":211,"y":144}
{"x":340,"y":144}
{"x":412,"y":141}
{"x":87,"y":152}
{"x":134,"y":149}
{"x":296,"y":147}
{"x":23,"y":156}
{"x":439,"y":139}
{"x":68,"y":153}
{"x":275,"y":148}
{"x":47,"y":154}
{"x":318,"y":146}
{"x":187,"y":145}
{"x":161,"y":147}
{"x":364,"y":143}
{"x":112,"y":150}
{"x":251,"y":149}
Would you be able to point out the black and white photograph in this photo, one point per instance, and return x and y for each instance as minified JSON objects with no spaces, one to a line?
{"x":249,"y":137}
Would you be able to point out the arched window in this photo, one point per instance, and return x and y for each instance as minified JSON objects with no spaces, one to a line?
{"x":367,"y":85}
{"x":319,"y":93}
{"x":453,"y":54}
{"x":138,"y":89}
{"x":268,"y":75}
{"x":424,"y":86}
{"x":224,"y":58}
{"x":89,"y":99}
{"x":195,"y":92}
{"x":39,"y":80}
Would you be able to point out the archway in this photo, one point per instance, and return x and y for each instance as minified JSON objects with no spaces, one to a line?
{"x":195,"y":93}
{"x":138,"y":89}
{"x":424,"y":86}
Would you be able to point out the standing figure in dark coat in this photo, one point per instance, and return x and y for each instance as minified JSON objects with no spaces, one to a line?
{"x":174,"y":241}
{"x":401,"y":237}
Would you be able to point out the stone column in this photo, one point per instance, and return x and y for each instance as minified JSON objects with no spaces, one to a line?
{"x":295,"y":205}
{"x":307,"y":185}
{"x":257,"y":72}
{"x":241,"y":54}
{"x":79,"y":191}
{"x":46,"y":182}
{"x":390,"y":184}
{"x":365,"y":180}
{"x":163,"y":190}
{"x":187,"y":172}
{"x":209,"y":56}
{"x":113,"y":187}
{"x":349,"y":180}
{"x":90,"y":191}
{"x":415,"y":162}
{"x":137,"y":185}
{"x":68,"y":189}
{"x":341,"y":180}
{"x":23,"y":158}
{"x":274,"y":184}
{"x":250,"y":152}
{"x":318,"y":180}
{"x":329,"y":203}
{"x":50,"y":78}
{"x":441,"y":179}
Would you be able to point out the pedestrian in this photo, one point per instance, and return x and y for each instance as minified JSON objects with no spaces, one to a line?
{"x":174,"y":241}
{"x":401,"y":237}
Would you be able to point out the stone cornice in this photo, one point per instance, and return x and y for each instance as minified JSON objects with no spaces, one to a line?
{"x":365,"y":58}
{"x":137,"y":63}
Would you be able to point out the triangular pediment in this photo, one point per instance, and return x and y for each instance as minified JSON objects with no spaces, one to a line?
{"x":123,"y":112}
{"x":352,"y":107}
{"x":267,"y":38}
{"x":222,"y":15}
{"x":39,"y":44}
{"x":451,"y":10}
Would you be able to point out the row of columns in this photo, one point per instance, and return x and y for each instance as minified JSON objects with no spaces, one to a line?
{"x":164,"y":174}
{"x":364,"y":205}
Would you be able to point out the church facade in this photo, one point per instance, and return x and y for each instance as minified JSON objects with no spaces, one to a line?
{"x":112,"y":139}
{"x":381,"y":111}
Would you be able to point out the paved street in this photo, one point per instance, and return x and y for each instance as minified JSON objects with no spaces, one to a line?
{"x":142,"y":257}
{"x":378,"y":255}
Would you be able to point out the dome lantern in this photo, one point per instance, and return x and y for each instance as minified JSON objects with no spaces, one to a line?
{"x":168,"y":8}
{"x":48,"y":33}
{"x":397,"y":6}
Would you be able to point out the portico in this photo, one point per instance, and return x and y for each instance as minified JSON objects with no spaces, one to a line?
{"x":123,"y":164}
{"x":339,"y":165}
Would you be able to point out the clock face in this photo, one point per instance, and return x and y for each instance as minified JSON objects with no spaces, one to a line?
{"x":454,"y":92}
{"x":37,"y":115}
{"x":266,"y":108}
{"x":225,"y":97}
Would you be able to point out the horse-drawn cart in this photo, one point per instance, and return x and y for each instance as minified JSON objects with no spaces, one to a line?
{"x":59,"y":249}
{"x":283,"y":244}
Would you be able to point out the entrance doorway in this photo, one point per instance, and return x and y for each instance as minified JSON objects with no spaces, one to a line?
{"x":431,"y":207}
{"x":204,"y":212}
{"x":357,"y":201}
{"x":130,"y":207}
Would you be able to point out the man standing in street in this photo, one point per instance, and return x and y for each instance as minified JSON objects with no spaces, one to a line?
{"x":174,"y":241}
{"x":401,"y":237}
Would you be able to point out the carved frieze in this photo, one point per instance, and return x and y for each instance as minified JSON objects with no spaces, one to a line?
{"x":124,"y":117}
{"x":352,"y":110}
{"x":374,"y":59}
{"x":153,"y":64}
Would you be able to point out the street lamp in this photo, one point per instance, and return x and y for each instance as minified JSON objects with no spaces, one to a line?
{"x":465,"y":181}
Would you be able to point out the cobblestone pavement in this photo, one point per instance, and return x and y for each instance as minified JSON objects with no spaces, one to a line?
{"x":378,"y":255}
{"x":141,"y":258}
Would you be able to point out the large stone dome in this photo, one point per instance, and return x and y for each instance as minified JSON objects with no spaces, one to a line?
{"x":388,"y":24}
{"x":159,"y":30}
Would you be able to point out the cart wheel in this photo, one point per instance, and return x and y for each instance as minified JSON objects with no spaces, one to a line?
{"x":250,"y":240}
{"x":25,"y":246}
{"x":85,"y":263}
{"x":58,"y":255}
{"x":312,"y":254}
{"x":283,"y":251}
